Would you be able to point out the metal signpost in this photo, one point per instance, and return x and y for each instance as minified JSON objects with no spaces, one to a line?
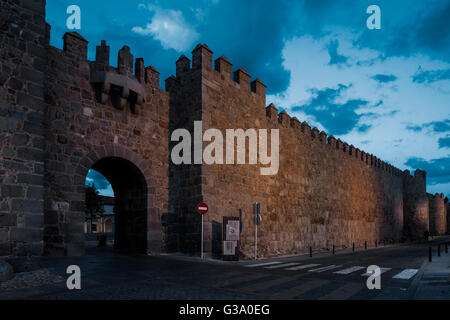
{"x":202,"y":209}
{"x":256,"y":211}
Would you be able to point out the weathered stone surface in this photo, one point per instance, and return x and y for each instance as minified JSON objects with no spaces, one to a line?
{"x":438,"y":214}
{"x":21,"y":117}
{"x":61,"y":115}
{"x":6,"y":271}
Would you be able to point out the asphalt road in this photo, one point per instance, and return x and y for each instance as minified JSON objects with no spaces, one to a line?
{"x":108,"y":275}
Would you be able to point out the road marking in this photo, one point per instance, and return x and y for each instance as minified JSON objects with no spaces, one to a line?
{"x":322,"y":269}
{"x":349,"y":270}
{"x":303,"y":267}
{"x":344,"y":292}
{"x":406,"y":274}
{"x":299,"y":289}
{"x":261,"y":264}
{"x":383,"y":270}
{"x":282,"y":265}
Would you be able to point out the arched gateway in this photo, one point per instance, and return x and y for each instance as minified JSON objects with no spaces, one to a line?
{"x":131,"y":201}
{"x":62,"y":114}
{"x":134,"y":195}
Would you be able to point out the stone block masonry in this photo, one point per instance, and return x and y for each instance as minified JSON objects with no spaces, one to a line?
{"x":438,"y":214}
{"x":326,"y":192}
{"x":23,"y":41}
{"x":61,"y":115}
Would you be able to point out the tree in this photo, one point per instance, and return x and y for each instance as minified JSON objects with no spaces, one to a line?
{"x":94,"y":204}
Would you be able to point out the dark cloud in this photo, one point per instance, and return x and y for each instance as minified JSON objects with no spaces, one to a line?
{"x":438,"y":170}
{"x":430,"y":76}
{"x":252,"y":35}
{"x":364,"y":128}
{"x":335,"y":57}
{"x":414,"y":127}
{"x":384,"y":78}
{"x":96,"y":178}
{"x":407,"y":30}
{"x":439,"y":126}
{"x":434,"y":126}
{"x":444,"y":142}
{"x":337,"y":118}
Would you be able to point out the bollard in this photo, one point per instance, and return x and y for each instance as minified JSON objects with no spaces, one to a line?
{"x":333,"y":249}
{"x":439,"y":250}
{"x":446,"y":247}
{"x":365,"y":245}
{"x":429,"y":254}
{"x":353,"y":248}
{"x":310,"y":251}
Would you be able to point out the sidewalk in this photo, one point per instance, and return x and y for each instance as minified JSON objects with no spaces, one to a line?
{"x":305,"y":255}
{"x":433,"y":280}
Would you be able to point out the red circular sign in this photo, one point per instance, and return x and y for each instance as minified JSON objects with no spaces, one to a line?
{"x":202,"y":208}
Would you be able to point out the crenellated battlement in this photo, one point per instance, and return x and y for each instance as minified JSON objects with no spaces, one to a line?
{"x":323,"y":191}
{"x":202,"y":58}
{"x":284,"y":120}
{"x":439,"y":196}
{"x":124,"y":86}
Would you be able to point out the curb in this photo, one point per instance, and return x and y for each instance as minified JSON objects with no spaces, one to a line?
{"x":415,"y":283}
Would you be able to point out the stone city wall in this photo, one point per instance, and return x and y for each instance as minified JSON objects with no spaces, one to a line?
{"x":61,"y":115}
{"x":95,"y":111}
{"x":438,"y":214}
{"x":23,"y":39}
{"x":326,"y":192}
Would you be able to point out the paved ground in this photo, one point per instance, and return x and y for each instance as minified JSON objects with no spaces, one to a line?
{"x":108,"y":275}
{"x":433,"y":281}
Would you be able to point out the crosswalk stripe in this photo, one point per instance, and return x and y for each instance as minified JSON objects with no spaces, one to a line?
{"x":406,"y":274}
{"x":261,"y":264}
{"x":383,"y":270}
{"x":322,"y":269}
{"x":282,"y":265}
{"x":349,"y":270}
{"x":303,"y":267}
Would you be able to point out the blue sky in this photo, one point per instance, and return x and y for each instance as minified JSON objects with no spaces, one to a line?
{"x":385,"y":91}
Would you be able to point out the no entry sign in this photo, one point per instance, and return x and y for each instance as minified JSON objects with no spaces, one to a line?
{"x":202,"y":208}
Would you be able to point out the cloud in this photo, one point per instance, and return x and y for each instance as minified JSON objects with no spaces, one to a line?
{"x":335,"y":57}
{"x":444,"y":142}
{"x":384,"y":78}
{"x":240,"y":30}
{"x":96,"y":178}
{"x":414,"y":127}
{"x":438,"y":170}
{"x":337,"y":118}
{"x":434,"y":126}
{"x":408,"y":30}
{"x":252,"y":35}
{"x":430,"y":76}
{"x":170,"y":28}
{"x":364,"y":128}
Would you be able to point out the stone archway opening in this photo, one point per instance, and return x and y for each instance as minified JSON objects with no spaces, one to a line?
{"x":130,"y":203}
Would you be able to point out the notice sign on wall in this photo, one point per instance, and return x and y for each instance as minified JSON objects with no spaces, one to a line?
{"x":233,"y":230}
{"x":229,"y":248}
{"x":230,"y":239}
